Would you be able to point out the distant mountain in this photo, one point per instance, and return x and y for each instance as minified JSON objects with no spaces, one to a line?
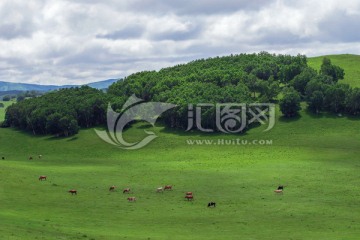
{"x":102,"y":84}
{"x":8,"y":86}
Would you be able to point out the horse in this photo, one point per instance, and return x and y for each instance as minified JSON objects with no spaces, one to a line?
{"x":126,"y":190}
{"x":168,"y":187}
{"x":189,"y":197}
{"x":42,"y":178}
{"x":73,"y":191}
{"x":160,"y":189}
{"x":212,"y":204}
{"x":112,"y":188}
{"x":131,"y":199}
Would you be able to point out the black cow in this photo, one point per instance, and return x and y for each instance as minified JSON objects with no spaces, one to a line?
{"x":212,"y":204}
{"x":281,"y":187}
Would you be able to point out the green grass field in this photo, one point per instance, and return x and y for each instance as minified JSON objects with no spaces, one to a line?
{"x":350,"y":63}
{"x":317,"y":157}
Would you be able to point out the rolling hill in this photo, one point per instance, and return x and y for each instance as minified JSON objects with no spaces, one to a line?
{"x":349,"y":62}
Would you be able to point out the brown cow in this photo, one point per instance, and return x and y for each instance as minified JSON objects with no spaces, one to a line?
{"x":126,"y":190}
{"x":73,"y":191}
{"x":189,"y":197}
{"x":42,"y":178}
{"x":112,"y":188}
{"x":168,"y":187}
{"x":131,"y":199}
{"x":188,"y":193}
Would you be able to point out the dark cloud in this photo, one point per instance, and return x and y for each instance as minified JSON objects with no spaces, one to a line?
{"x":340,"y":27}
{"x":129,"y":32}
{"x":190,"y":7}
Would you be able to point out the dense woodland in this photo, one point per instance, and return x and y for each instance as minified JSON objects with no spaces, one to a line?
{"x":244,"y":78}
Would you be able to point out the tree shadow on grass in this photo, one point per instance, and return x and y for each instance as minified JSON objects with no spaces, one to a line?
{"x":289,"y":119}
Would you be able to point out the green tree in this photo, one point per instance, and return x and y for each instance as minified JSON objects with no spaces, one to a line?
{"x":316,"y":101}
{"x":290,"y":103}
{"x":333,"y":71}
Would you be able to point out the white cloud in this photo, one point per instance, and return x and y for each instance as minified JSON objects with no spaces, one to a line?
{"x":78,"y":41}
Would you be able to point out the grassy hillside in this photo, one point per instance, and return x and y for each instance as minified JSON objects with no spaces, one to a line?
{"x":350,"y":63}
{"x":2,"y":110}
{"x":317,"y":157}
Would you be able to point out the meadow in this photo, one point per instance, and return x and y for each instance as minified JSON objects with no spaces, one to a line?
{"x":315,"y":156}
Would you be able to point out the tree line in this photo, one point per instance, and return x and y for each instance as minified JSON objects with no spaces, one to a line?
{"x":61,"y":112}
{"x":242,"y":78}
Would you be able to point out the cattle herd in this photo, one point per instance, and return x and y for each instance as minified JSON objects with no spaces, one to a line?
{"x":188,"y":195}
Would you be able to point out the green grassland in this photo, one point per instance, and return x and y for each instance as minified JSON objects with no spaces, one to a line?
{"x":2,"y":110}
{"x":317,"y":157}
{"x":350,"y":63}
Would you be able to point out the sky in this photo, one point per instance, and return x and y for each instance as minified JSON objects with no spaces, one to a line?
{"x":81,"y":41}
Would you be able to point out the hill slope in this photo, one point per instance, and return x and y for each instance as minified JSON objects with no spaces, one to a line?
{"x":349,"y":62}
{"x":316,"y":157}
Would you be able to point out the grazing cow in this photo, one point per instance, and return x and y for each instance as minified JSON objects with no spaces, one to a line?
{"x":126,"y":190}
{"x":189,"y":197}
{"x":131,"y":199}
{"x":112,"y":188}
{"x":160,"y":189}
{"x":30,"y":158}
{"x":278,"y":191}
{"x":42,"y":178}
{"x":188,"y":193}
{"x":40,"y":156}
{"x":3,"y":158}
{"x":280,"y":187}
{"x":168,"y":187}
{"x":212,"y":204}
{"x":73,"y":191}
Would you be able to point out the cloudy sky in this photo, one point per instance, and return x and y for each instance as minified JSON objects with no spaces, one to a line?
{"x":81,"y":41}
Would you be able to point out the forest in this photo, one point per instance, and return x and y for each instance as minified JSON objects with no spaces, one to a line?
{"x":243,"y":78}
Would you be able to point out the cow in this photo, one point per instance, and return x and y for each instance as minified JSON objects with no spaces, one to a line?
{"x":212,"y":204}
{"x":73,"y":191}
{"x":160,"y":189}
{"x":168,"y":187}
{"x":188,"y":193}
{"x":126,"y":190}
{"x":189,"y":197}
{"x":278,"y":191}
{"x":131,"y":199}
{"x":40,"y":156}
{"x":30,"y":158}
{"x":280,"y":187}
{"x":112,"y":188}
{"x":3,"y":158}
{"x":42,"y":178}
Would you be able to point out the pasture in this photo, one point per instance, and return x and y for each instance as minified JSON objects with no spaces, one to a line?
{"x":316,"y":157}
